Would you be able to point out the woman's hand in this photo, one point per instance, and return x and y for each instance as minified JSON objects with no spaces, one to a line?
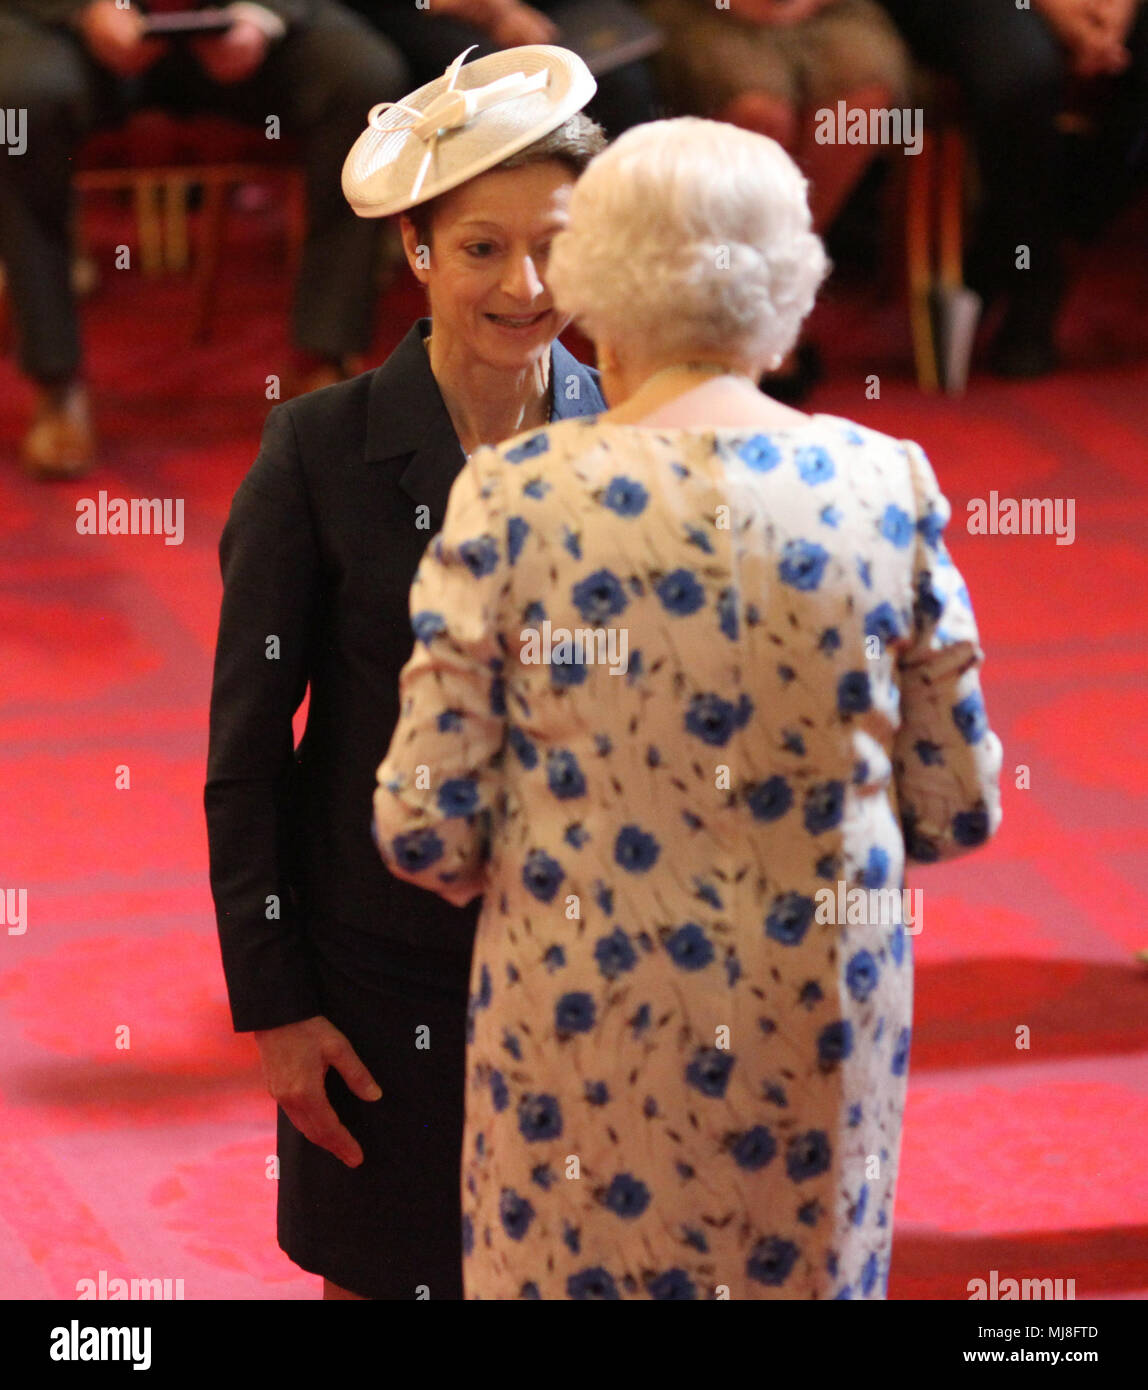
{"x":508,"y":22}
{"x":116,"y":40}
{"x":295,"y":1061}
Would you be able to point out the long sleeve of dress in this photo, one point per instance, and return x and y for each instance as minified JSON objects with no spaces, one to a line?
{"x":438,"y":785}
{"x":946,"y":758}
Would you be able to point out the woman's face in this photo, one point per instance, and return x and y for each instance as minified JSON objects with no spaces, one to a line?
{"x":486,"y":276}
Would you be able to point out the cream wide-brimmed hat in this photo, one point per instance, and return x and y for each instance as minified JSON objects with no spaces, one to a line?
{"x":466,"y":121}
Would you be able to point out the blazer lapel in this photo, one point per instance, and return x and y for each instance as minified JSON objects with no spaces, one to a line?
{"x":406,"y":415}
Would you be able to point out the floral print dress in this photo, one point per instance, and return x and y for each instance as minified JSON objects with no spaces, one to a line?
{"x":686,"y":1065}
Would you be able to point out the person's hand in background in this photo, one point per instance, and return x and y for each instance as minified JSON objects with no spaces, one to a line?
{"x":116,"y":40}
{"x":234,"y":56}
{"x":508,"y":22}
{"x":295,"y":1061}
{"x":776,"y":12}
{"x":1093,"y":31}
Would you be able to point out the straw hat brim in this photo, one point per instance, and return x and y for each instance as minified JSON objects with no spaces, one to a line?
{"x":380,"y":171}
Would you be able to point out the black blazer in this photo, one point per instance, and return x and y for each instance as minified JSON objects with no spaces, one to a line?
{"x":318,"y":555}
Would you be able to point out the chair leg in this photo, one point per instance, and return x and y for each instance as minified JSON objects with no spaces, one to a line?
{"x":918,"y":249}
{"x":146,"y":192}
{"x":175,"y":222}
{"x":207,"y":261}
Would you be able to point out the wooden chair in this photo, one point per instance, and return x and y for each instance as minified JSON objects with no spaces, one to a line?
{"x":158,"y":160}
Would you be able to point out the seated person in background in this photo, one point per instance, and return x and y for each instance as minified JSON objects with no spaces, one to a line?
{"x":74,"y":66}
{"x":432,"y":37}
{"x":769,"y":66}
{"x":1014,"y":68}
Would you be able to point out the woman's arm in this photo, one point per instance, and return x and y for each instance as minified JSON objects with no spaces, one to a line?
{"x":946,"y":758}
{"x":437,"y":786}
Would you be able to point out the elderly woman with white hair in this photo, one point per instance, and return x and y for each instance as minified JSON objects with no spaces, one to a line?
{"x":712,"y":680}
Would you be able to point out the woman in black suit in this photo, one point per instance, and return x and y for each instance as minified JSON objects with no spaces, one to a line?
{"x":355,"y":983}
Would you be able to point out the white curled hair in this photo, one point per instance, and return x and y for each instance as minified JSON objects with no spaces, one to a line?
{"x":688,"y":234}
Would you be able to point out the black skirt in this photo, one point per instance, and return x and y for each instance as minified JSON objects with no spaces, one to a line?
{"x":392,"y":1227}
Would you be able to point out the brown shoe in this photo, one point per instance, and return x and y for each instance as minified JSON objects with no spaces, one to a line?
{"x":61,"y":442}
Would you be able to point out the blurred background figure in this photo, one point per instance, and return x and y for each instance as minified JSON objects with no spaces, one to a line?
{"x":76,"y":66}
{"x":769,"y":66}
{"x":430,"y":38}
{"x":1042,"y":179}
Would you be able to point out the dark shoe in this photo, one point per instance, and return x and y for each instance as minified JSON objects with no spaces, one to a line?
{"x":792,"y":387}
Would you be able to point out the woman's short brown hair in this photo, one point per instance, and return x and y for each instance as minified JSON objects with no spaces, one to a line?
{"x":574,"y":143}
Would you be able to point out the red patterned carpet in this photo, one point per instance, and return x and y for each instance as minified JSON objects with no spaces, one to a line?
{"x":151,"y":1162}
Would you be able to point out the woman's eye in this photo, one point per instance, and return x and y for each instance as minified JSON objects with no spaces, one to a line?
{"x":481,"y":249}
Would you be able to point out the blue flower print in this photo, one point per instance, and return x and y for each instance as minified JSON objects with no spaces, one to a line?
{"x":467,"y":1235}
{"x":883,"y":622}
{"x":789,"y":918}
{"x":824,"y":806}
{"x":574,"y":1013}
{"x":576,"y":835}
{"x":480,"y":556}
{"x":901,"y":1053}
{"x":876,"y":869}
{"x":862,"y":1202}
{"x":529,"y":448}
{"x":696,"y":536}
{"x":931,"y":526}
{"x":497,"y":696}
{"x":969,"y":717}
{"x":449,"y":721}
{"x":681,"y":593}
{"x":458,"y":796}
{"x":802,"y":564}
{"x":625,"y":497}
{"x":485,"y":989}
{"x":604,"y":897}
{"x":562,"y":676}
{"x":769,"y":800}
{"x":869,"y":1274}
{"x":614,"y":954}
{"x":690,"y":948}
{"x":542,"y":875}
{"x":753,"y":1149}
{"x":427,"y":625}
{"x":626,"y":1196}
{"x":927,"y":606}
{"x":515,"y":1213}
{"x":709,"y":1071}
{"x":417,"y":850}
{"x":599,"y":597}
{"x":829,"y":640}
{"x":499,"y":1094}
{"x":524,"y":750}
{"x":759,"y":453}
{"x":861,"y":976}
{"x":814,"y":465}
{"x":673,"y":1285}
{"x":554,"y":959}
{"x":595,"y":1283}
{"x":971,"y":827}
{"x":597,"y":1093}
{"x":727,"y":613}
{"x":811,"y":994}
{"x":715,"y":720}
{"x":897,"y":943}
{"x":853,"y":695}
{"x":563,"y":775}
{"x":897,"y":526}
{"x":808,"y":1155}
{"x":835,"y":1042}
{"x":771,"y":1261}
{"x":516,"y":533}
{"x":635,"y":850}
{"x":929,"y":753}
{"x":534,"y":612}
{"x":571,"y":1237}
{"x":539,"y":1117}
{"x":829,"y":516}
{"x":572,"y":541}
{"x":536,"y":489}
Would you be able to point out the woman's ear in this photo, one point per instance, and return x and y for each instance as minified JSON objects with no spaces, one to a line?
{"x":417,"y":253}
